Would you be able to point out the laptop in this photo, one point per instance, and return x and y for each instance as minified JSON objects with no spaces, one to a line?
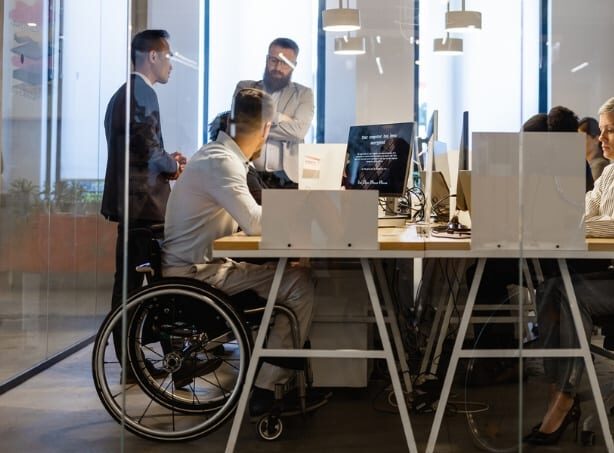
{"x":320,"y":165}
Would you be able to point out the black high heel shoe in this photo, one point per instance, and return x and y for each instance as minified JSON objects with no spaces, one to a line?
{"x":532,"y":432}
{"x":573,"y":416}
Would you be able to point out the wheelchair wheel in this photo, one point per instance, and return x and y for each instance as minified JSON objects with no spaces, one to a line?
{"x":174,"y":325}
{"x":270,"y":427}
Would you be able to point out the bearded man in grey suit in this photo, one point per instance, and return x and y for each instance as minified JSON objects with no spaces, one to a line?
{"x":278,"y":163}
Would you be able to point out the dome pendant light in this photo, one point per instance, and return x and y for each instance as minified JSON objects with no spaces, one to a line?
{"x":448,"y":46}
{"x":463,"y":21}
{"x":341,"y":19}
{"x":350,"y":45}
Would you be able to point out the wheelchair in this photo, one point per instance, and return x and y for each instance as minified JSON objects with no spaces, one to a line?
{"x":174,"y":324}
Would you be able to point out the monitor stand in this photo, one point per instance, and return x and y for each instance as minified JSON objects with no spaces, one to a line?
{"x":390,"y":217}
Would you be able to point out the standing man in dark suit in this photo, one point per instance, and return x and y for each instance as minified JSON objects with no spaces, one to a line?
{"x":150,"y":166}
{"x":278,"y":163}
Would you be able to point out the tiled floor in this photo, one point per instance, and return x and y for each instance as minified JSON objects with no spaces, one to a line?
{"x":59,"y":411}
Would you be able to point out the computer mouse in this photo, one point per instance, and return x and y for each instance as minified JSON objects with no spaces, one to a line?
{"x":454,"y":226}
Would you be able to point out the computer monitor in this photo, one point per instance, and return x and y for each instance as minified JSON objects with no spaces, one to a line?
{"x":463,"y":184}
{"x":432,"y":135}
{"x":440,"y":195}
{"x":378,"y":157}
{"x":463,"y":191}
{"x":436,"y":158}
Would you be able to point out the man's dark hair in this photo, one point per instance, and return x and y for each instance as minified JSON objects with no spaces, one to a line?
{"x":561,"y":119}
{"x":251,"y":108}
{"x":285,"y":43}
{"x":589,"y":126}
{"x":537,"y":123}
{"x":146,"y":41}
{"x":219,"y":123}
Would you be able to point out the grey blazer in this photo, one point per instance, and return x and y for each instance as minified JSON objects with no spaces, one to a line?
{"x":296,"y":101}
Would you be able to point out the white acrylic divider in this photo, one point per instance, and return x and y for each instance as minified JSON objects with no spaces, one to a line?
{"x":319,"y":219}
{"x":538,"y":208}
{"x":320,"y":165}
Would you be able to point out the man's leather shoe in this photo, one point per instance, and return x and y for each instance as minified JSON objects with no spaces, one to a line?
{"x":156,"y":373}
{"x":261,"y":401}
{"x":193,"y":368}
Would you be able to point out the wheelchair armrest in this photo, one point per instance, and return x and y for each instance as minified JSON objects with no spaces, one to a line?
{"x":247,"y":300}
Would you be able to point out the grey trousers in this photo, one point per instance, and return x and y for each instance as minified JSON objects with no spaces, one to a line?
{"x":296,"y":292}
{"x":595,"y":295}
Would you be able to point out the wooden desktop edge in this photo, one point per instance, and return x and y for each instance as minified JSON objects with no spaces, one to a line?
{"x":240,"y":241}
{"x":600,"y":244}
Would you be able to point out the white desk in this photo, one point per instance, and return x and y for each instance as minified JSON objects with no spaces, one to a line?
{"x":446,"y":248}
{"x":404,"y":243}
{"x":393,"y":243}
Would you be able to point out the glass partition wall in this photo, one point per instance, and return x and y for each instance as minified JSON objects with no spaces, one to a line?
{"x":56,"y":251}
{"x":517,"y":179}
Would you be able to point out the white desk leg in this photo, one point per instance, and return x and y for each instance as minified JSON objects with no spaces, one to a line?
{"x":435,"y":328}
{"x":586,"y":354}
{"x":394,"y":326}
{"x":458,"y":345}
{"x":392,"y":368}
{"x":443,"y":331}
{"x":253,"y":362}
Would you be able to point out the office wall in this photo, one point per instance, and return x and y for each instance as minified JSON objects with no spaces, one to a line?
{"x":356,"y":91}
{"x":239,"y":43}
{"x":94,"y":59}
{"x":496,"y":77}
{"x":182,"y":97}
{"x":581,"y":32}
{"x":385,"y":96}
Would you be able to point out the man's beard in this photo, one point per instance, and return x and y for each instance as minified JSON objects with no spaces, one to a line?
{"x":272,"y":83}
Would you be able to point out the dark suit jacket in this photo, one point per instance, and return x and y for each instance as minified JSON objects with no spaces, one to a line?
{"x":150,"y":165}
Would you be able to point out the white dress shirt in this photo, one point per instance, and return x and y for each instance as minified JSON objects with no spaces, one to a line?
{"x":209,"y":200}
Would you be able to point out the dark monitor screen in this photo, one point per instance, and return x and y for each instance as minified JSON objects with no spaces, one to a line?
{"x":462,"y":202}
{"x":378,"y":157}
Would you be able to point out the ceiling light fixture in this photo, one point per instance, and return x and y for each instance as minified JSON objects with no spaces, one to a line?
{"x":350,"y":45}
{"x":448,"y":46}
{"x":341,"y":19}
{"x":463,"y":21}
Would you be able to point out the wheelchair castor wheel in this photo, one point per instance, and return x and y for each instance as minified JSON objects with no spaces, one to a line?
{"x":270,"y":427}
{"x":587,"y":438}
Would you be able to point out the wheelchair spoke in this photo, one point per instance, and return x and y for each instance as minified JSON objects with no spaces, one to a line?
{"x":175,"y":331}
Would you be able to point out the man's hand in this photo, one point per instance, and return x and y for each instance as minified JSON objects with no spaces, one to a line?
{"x":181,"y":161}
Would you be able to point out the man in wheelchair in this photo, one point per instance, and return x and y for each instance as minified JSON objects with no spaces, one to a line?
{"x":211,"y":200}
